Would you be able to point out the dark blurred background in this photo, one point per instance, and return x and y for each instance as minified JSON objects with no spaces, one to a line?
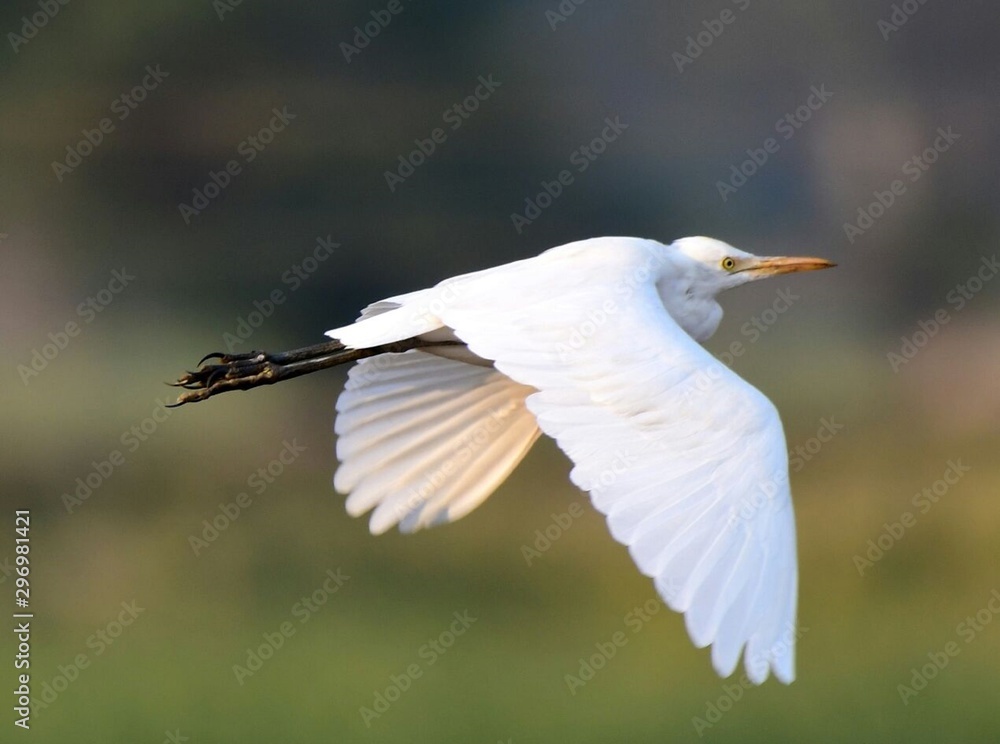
{"x":884,"y":369}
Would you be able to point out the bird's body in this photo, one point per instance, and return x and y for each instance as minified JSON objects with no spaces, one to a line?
{"x":596,"y":344}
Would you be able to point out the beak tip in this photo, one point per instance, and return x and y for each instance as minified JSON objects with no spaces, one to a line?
{"x":788,"y":264}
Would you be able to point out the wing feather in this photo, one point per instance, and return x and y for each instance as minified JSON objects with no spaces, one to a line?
{"x":423,"y":440}
{"x":686,"y":459}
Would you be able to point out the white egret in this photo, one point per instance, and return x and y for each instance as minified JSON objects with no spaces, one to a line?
{"x":596,"y":344}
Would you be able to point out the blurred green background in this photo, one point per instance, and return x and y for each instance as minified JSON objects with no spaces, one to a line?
{"x":562,"y":70}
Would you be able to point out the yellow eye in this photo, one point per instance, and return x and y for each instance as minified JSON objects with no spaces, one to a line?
{"x":728,"y":263}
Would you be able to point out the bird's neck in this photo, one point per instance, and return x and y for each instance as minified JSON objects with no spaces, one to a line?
{"x":698,"y":316}
{"x":689,"y":304}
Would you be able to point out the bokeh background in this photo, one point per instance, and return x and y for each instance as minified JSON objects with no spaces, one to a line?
{"x":562,"y":70}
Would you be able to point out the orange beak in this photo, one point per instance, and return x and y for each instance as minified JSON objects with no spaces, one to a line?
{"x":775,"y":265}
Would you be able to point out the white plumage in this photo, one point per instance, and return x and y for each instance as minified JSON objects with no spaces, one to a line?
{"x":594,"y":343}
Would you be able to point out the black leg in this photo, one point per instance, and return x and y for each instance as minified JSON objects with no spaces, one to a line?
{"x":256,"y":368}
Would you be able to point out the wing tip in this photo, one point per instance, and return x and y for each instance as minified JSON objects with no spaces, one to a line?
{"x":779,"y":659}
{"x":756,"y":674}
{"x":381,"y":522}
{"x":758,"y":664}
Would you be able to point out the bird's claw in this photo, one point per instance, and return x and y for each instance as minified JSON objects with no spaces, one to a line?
{"x":233,"y":372}
{"x":214,"y":355}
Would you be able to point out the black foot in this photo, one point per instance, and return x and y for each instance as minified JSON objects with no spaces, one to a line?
{"x":231,"y":372}
{"x":255,"y":368}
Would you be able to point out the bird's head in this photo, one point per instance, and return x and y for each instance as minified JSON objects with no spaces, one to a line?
{"x":700,"y":268}
{"x":719,"y":266}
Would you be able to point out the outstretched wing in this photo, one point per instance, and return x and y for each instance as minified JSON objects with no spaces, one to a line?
{"x":424,"y":440}
{"x":686,"y":459}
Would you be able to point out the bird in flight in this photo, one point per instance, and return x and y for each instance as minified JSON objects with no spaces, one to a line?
{"x":597,"y":344}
